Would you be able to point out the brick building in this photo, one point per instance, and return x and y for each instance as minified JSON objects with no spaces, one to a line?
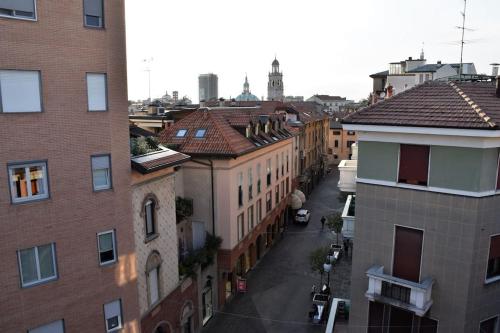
{"x":67,"y":249}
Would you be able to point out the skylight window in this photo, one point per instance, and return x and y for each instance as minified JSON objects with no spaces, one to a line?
{"x":200,"y":133}
{"x":181,"y":133}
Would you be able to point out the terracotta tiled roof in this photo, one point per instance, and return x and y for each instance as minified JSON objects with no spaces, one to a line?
{"x":468,"y":105}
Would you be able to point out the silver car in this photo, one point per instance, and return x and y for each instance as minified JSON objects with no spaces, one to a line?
{"x":302,"y":216}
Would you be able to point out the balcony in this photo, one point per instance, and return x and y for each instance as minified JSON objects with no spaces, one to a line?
{"x":408,"y":295}
{"x":347,"y":179}
{"x":348,"y":217}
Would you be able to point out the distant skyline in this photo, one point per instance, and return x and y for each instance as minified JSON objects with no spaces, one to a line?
{"x":324,"y":47}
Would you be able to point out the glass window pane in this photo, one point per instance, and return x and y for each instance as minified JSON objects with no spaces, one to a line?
{"x":101,"y":178}
{"x":54,"y":327}
{"x":19,"y":182}
{"x":153,"y":286}
{"x":96,"y":91}
{"x":36,"y":179}
{"x":28,"y":265}
{"x":46,"y":260}
{"x":149,"y":219}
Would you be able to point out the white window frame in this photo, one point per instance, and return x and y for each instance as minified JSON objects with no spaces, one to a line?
{"x":40,"y":95}
{"x":109,"y":185}
{"x":26,"y":167}
{"x":115,"y":254}
{"x":37,"y":261}
{"x":106,"y":104}
{"x":101,"y":18}
{"x":34,"y":18}
{"x":120,"y":317}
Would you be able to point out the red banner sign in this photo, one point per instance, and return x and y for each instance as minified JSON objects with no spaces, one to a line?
{"x":241,"y":285}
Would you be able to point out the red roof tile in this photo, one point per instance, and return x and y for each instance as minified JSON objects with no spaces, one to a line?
{"x":468,"y":105}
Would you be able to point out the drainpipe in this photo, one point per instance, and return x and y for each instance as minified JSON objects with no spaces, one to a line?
{"x":211,"y":165}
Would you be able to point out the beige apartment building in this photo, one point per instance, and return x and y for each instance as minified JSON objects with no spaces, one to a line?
{"x":67,"y":249}
{"x":339,"y":142}
{"x":240,"y":179}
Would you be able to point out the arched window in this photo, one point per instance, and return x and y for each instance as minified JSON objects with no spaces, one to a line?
{"x":148,"y":213}
{"x":149,"y":217}
{"x":187,"y":318}
{"x":153,"y":265}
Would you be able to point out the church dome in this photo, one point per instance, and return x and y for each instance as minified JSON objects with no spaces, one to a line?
{"x":275,"y":62}
{"x":247,"y":97}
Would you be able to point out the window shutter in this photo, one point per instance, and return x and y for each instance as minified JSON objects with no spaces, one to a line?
{"x":199,"y":235}
{"x":413,"y":164}
{"x":96,"y":90}
{"x":100,"y":162}
{"x":153,"y":285}
{"x":112,"y":309}
{"x":54,"y":327}
{"x":23,"y":5}
{"x":20,"y":91}
{"x":495,"y":247}
{"x":407,"y":254}
{"x":93,"y":7}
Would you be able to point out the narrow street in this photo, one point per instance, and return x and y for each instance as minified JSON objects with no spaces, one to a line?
{"x":278,"y":297}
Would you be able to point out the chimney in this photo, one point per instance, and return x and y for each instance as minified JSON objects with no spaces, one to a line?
{"x":410,"y":58}
{"x":494,"y":69}
{"x":389,"y":91}
{"x":498,"y":86}
{"x":439,"y":62}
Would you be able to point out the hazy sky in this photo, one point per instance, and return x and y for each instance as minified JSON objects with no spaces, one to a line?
{"x":323,"y":46}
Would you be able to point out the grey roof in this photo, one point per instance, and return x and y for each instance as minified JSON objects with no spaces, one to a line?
{"x":426,"y":68}
{"x":335,"y":124}
{"x":380,"y":74}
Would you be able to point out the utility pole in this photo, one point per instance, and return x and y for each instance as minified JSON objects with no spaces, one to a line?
{"x":462,"y":43}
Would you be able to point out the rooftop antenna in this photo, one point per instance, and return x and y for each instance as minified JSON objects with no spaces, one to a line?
{"x":148,"y":69}
{"x":462,"y":42}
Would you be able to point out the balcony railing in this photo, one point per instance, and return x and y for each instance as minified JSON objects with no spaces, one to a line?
{"x":409,"y":295}
{"x":347,"y":179}
{"x":348,"y":218}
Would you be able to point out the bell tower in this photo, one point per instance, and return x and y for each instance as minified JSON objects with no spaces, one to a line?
{"x":275,"y":84}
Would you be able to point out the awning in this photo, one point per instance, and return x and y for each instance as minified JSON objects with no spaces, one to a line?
{"x":301,"y":195}
{"x":295,"y":201}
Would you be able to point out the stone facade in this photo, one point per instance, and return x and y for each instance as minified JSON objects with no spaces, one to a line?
{"x":275,"y":90}
{"x":166,"y":241}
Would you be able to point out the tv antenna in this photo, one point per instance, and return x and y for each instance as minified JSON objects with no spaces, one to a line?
{"x":462,"y":42}
{"x":148,"y":69}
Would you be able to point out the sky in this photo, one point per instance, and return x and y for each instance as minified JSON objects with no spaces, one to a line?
{"x":323,"y":46}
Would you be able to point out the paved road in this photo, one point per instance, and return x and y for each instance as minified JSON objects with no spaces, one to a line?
{"x":278,"y":297}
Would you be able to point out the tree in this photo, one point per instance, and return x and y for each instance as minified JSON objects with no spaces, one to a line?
{"x":335,"y":222}
{"x":317,"y":258}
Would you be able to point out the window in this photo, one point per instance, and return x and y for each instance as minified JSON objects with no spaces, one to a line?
{"x":258,"y":179}
{"x":349,"y":144}
{"x":413,"y":164}
{"x":407,"y":253}
{"x":250,"y":184}
{"x":96,"y":92}
{"x":28,"y":181}
{"x":330,"y":151}
{"x":283,"y":189}
{"x":37,"y":264}
{"x":258,"y":211}
{"x":268,"y":169}
{"x":282,"y":164}
{"x":287,"y":185}
{"x":287,"y":163}
{"x":200,"y":133}
{"x":351,"y":133}
{"x":20,"y":91}
{"x":277,"y":167}
{"x":277,"y":194}
{"x":101,"y":172}
{"x":53,"y":327}
{"x":93,"y":11}
{"x":153,"y":276}
{"x":113,"y":316}
{"x":489,"y":325}
{"x":106,"y":245}
{"x":149,"y":216}
{"x":493,"y":270}
{"x":269,"y":202}
{"x":241,"y":226}
{"x":336,"y":132}
{"x":498,"y":176}
{"x":181,"y":133}
{"x":240,"y":189}
{"x":24,"y":9}
{"x":250,"y":218}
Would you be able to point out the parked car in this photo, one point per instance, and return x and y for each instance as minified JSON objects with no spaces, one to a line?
{"x":302,"y":216}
